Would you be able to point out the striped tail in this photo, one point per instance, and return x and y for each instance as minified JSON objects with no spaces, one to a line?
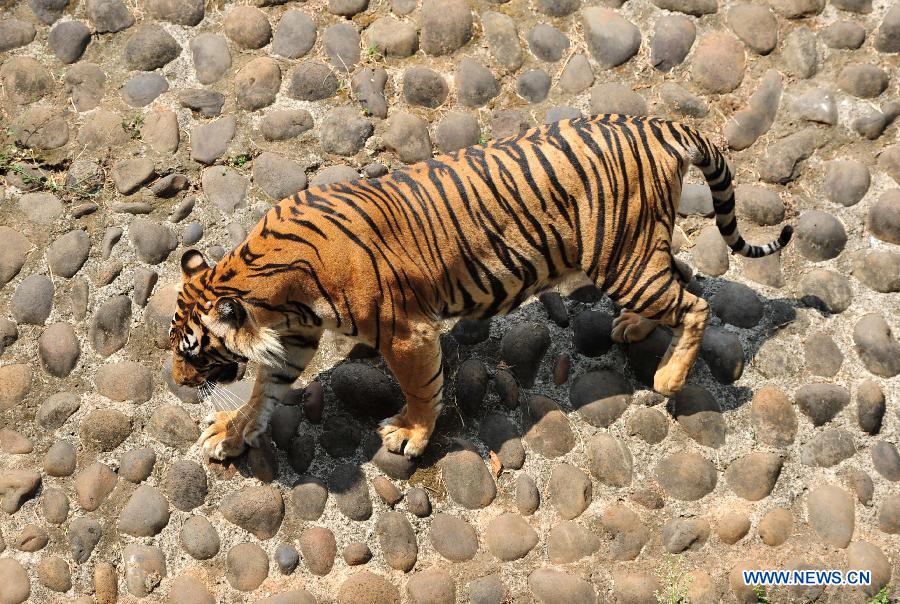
{"x":718,"y":176}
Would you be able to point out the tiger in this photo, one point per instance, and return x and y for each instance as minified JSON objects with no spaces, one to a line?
{"x":471,"y":234}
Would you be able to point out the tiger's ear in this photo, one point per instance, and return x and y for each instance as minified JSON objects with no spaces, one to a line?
{"x":192,"y":262}
{"x":231,"y":312}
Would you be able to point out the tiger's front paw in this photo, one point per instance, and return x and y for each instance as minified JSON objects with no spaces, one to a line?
{"x":228,"y":432}
{"x":399,"y":436}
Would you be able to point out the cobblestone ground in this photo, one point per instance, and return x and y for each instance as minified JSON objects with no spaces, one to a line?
{"x":135,"y":129}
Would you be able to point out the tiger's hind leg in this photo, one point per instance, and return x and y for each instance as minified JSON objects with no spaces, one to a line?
{"x":630,"y":327}
{"x":665,"y":300}
{"x":417,"y":364}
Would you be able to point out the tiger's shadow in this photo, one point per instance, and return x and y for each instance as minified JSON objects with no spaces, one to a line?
{"x":730,"y":346}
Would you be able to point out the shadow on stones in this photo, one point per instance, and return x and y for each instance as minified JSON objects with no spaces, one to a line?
{"x":485,"y":409}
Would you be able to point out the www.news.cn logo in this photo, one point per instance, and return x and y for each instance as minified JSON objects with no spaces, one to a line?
{"x":807,"y":577}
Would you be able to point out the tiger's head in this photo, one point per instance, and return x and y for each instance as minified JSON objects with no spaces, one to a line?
{"x":213,"y":337}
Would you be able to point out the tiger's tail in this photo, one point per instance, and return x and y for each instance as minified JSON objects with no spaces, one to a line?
{"x":715,"y":169}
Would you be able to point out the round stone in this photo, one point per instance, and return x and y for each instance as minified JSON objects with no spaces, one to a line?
{"x":109,"y":16}
{"x":145,"y":568}
{"x":471,"y":387}
{"x":799,"y":55}
{"x":878,"y":270}
{"x":453,"y":538}
{"x":710,"y":254}
{"x":889,"y":515}
{"x":831,"y":515}
{"x":407,"y":136}
{"x":318,"y":547}
{"x":105,"y":429}
{"x":152,"y":241}
{"x":509,"y":537}
{"x":432,"y":586}
{"x":15,"y":586}
{"x":870,"y":406}
{"x":173,"y":426}
{"x":775,"y":527}
{"x":732,"y":527}
{"x":865,"y":556}
{"x":827,"y":448}
{"x":467,"y":479}
{"x":418,"y":503}
{"x":60,"y":459}
{"x":551,"y":585}
{"x":52,"y":413}
{"x":592,"y":332}
{"x":257,"y":510}
{"x":364,"y":390}
{"x":59,"y":349}
{"x":723,"y":354}
{"x":611,"y":38}
{"x":425,"y":87}
{"x":826,"y":290}
{"x":844,"y":35}
{"x":609,"y":460}
{"x":547,"y":43}
{"x":68,"y":40}
{"x":313,"y":81}
{"x":393,"y":38}
{"x":111,"y":325}
{"x":14,"y":250}
{"x":600,"y":396}
{"x":248,"y":27}
{"x":569,"y":542}
{"x":886,"y":460}
{"x":137,"y":465}
{"x":888,"y":38}
{"x":501,"y":435}
{"x":522,"y":348}
{"x":54,"y":506}
{"x":31,"y":538}
{"x":341,"y":42}
{"x":287,"y":558}
{"x":754,"y":475}
{"x":351,"y":491}
{"x":612,"y":97}
{"x":681,"y":534}
{"x":846,"y":181}
{"x":737,"y":304}
{"x":502,"y":39}
{"x":457,"y":131}
{"x":398,"y":541}
{"x":150,"y":47}
{"x":686,"y":476}
{"x":718,"y":64}
{"x":821,"y":402}
{"x":247,"y":566}
{"x":475,"y":83}
{"x":756,"y":26}
{"x":199,"y":538}
{"x":863,"y":80}
{"x":387,"y":490}
{"x":649,"y":425}
{"x":145,"y":514}
{"x":185,"y":485}
{"x":84,"y":535}
{"x":446,"y":26}
{"x":25,"y":80}
{"x":257,"y":83}
{"x":32,"y":300}
{"x":673,"y":37}
{"x":295,"y":35}
{"x":347,"y":8}
{"x":876,"y":347}
{"x":344,"y":131}
{"x":15,"y":33}
{"x":356,"y":553}
{"x":533,"y":85}
{"x":823,"y":357}
{"x":211,"y":58}
{"x":570,"y":491}
{"x":308,"y":497}
{"x":367,"y":588}
{"x":700,"y":415}
{"x":883,"y":220}
{"x":548,"y":431}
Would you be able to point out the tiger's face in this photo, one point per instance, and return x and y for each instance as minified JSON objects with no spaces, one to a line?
{"x":207,"y":336}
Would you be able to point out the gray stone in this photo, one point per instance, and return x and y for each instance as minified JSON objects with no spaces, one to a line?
{"x":341,"y":42}
{"x":879,"y":270}
{"x":185,"y":485}
{"x":503,"y":39}
{"x":68,"y":40}
{"x":368,"y":88}
{"x":407,"y":136}
{"x":295,"y":35}
{"x":612,"y":39}
{"x":876,"y":347}
{"x":446,"y":25}
{"x":799,"y":55}
{"x":284,"y":124}
{"x":570,"y":490}
{"x":533,"y":85}
{"x":673,"y":37}
{"x":59,"y":349}
{"x":501,"y":435}
{"x":351,"y":492}
{"x":883,"y":220}
{"x":686,"y":476}
{"x":831,"y":515}
{"x":109,"y":16}
{"x":826,"y":290}
{"x":173,"y":426}
{"x":210,"y":141}
{"x":225,"y":188}
{"x":15,"y":33}
{"x":863,"y":80}
{"x":475,"y":84}
{"x":547,"y":43}
{"x":747,"y":125}
{"x":509,"y":537}
{"x":344,"y":131}
{"x":247,"y":566}
{"x":870,"y":406}
{"x":424,"y":86}
{"x":392,"y":38}
{"x":821,"y":402}
{"x":548,"y":431}
{"x":609,"y":460}
{"x":142,"y":89}
{"x":136,"y":465}
{"x":577,"y":76}
{"x":886,"y":460}
{"x":83,"y":535}
{"x":312,"y":81}
{"x":145,"y":514}
{"x":278,"y":176}
{"x":718,"y":63}
{"x":887,"y":39}
{"x":467,"y":479}
{"x":453,"y":538}
{"x":398,"y":541}
{"x":828,"y":448}
{"x":600,"y":397}
{"x":211,"y":58}
{"x":248,"y":27}
{"x":199,"y":538}
{"x":865,"y":556}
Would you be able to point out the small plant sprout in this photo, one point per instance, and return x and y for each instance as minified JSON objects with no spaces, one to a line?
{"x":675,"y":580}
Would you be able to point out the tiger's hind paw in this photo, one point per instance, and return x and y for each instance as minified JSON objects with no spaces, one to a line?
{"x":630,"y":327}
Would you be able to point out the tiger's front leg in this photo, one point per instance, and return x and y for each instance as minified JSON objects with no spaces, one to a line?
{"x":228,"y":432}
{"x":416,"y":363}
